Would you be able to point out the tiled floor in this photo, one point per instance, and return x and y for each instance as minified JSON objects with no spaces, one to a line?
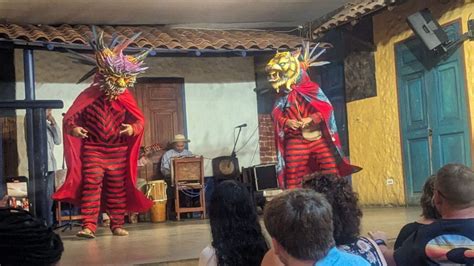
{"x":160,"y":244}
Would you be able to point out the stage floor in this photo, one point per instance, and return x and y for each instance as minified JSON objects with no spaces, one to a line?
{"x":180,"y":243}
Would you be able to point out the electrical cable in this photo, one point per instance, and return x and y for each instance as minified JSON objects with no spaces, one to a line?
{"x":188,"y":191}
{"x":248,"y":140}
{"x":255,"y":152}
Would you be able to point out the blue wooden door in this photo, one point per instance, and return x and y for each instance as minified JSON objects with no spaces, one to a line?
{"x":415,"y":122}
{"x":432,"y":111}
{"x":450,"y":124}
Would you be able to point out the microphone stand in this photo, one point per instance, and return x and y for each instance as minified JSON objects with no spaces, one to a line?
{"x":233,"y":154}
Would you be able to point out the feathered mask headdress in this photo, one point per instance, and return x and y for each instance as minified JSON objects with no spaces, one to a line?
{"x":115,"y":70}
{"x":285,"y":67}
{"x":309,"y":59}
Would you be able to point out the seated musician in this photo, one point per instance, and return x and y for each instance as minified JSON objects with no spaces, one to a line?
{"x":178,"y":150}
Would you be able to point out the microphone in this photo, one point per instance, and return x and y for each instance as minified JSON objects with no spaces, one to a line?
{"x":243,"y":125}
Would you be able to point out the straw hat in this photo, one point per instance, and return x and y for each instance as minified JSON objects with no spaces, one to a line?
{"x":180,"y":138}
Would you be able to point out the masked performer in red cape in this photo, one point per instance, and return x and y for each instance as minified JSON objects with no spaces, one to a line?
{"x":305,"y":127}
{"x":103,"y":130}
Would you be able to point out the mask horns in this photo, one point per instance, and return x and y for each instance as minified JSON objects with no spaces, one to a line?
{"x":88,"y":75}
{"x":142,"y":55}
{"x":309,"y":59}
{"x":100,"y":41}
{"x":114,"y":41}
{"x":125,"y":43}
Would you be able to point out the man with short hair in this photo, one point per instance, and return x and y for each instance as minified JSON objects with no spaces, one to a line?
{"x":301,"y":226}
{"x":449,"y":240}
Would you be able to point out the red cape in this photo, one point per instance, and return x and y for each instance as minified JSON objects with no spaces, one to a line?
{"x":71,"y":190}
{"x":315,"y":96}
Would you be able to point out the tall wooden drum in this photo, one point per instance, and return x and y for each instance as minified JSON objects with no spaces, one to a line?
{"x":156,"y":191}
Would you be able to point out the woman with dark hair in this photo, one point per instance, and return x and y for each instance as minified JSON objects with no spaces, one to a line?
{"x":346,"y":217}
{"x":236,"y":233}
{"x":26,"y":240}
{"x":428,"y":215}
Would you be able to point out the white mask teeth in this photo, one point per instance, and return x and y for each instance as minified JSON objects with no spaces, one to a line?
{"x":111,"y":90}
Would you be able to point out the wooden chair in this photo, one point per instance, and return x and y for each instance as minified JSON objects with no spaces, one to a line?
{"x":59,"y":179}
{"x":66,"y":218}
{"x":188,"y":174}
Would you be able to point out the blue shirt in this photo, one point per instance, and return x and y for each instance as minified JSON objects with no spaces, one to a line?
{"x":337,"y":257}
{"x":166,"y":160}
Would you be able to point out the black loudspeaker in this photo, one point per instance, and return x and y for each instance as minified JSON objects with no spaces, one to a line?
{"x":428,"y":30}
{"x":225,"y":167}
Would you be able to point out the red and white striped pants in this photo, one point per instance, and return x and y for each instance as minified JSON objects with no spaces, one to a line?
{"x":302,"y":156}
{"x":104,"y":170}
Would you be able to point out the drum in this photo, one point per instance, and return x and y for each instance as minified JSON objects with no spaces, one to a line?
{"x":156,"y":191}
{"x":158,"y":211}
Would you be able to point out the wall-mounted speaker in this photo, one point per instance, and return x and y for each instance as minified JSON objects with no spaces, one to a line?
{"x":428,"y":30}
{"x":225,"y":167}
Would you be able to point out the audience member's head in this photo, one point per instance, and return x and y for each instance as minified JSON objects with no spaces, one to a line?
{"x":300,"y":224}
{"x":236,"y":233}
{"x":344,"y":201}
{"x":26,"y":240}
{"x":454,"y":188}
{"x":426,"y":201}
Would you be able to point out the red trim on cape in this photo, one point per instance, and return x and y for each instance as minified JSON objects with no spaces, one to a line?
{"x":71,"y":190}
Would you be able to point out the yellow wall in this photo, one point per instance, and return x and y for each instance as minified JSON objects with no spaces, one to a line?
{"x":374,"y":130}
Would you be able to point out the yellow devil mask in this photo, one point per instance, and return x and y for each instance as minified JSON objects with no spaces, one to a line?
{"x":285,"y":68}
